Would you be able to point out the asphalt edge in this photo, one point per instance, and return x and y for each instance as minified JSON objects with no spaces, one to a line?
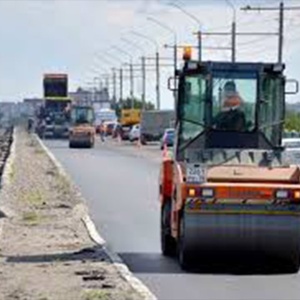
{"x":117,"y":261}
{"x":8,"y":167}
{"x":6,"y":179}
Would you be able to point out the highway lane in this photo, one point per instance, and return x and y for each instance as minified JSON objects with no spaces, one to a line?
{"x":120,"y":185}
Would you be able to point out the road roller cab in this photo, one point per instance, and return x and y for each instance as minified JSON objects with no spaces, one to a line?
{"x":82,"y":131}
{"x":229,"y":184}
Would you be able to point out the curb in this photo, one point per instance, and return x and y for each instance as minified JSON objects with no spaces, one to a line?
{"x":117,"y":261}
{"x":56,"y":163}
{"x":6,"y":175}
{"x":6,"y":178}
{"x":8,"y":167}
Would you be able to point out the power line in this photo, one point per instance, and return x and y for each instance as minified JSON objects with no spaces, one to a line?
{"x":281,"y":10}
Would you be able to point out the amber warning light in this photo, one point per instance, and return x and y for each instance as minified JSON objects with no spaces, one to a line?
{"x":187,"y":53}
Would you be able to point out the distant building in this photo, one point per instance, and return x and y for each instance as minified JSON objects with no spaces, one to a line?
{"x":30,"y":106}
{"x":90,"y":97}
{"x":8,"y":112}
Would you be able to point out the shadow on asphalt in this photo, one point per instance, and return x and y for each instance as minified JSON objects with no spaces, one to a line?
{"x":93,"y":253}
{"x":156,"y":263}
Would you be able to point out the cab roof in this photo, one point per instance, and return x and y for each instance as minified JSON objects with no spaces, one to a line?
{"x":210,"y":66}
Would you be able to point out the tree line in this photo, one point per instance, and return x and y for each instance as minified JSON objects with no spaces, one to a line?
{"x":292,"y":121}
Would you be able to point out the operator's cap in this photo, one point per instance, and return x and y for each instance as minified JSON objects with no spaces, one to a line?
{"x":230,"y":86}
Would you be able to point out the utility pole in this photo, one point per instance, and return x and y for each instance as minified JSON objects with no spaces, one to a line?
{"x":233,"y":31}
{"x":280,"y":34}
{"x":131,"y":73}
{"x":100,"y":85}
{"x":107,"y":85}
{"x":121,"y":85}
{"x":157,"y":72}
{"x":114,"y":99}
{"x":157,"y":81}
{"x":233,"y":35}
{"x":166,"y":27}
{"x":233,"y":42}
{"x":199,"y":36}
{"x":143,"y":59}
{"x":131,"y":84}
{"x":154,"y":42}
{"x":156,"y":68}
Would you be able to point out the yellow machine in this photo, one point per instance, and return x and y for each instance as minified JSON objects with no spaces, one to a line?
{"x":130,"y":116}
{"x":82,"y":131}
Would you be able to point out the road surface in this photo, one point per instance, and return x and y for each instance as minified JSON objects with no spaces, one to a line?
{"x":120,"y":184}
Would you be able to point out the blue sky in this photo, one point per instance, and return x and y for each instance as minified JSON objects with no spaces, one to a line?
{"x":72,"y":36}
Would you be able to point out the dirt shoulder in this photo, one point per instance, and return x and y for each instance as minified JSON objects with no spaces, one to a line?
{"x":45,"y":249}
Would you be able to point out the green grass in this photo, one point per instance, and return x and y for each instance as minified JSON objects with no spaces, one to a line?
{"x":96,"y":295}
{"x":63,"y":184}
{"x":12,"y":173}
{"x":31,"y":217}
{"x":39,"y":151}
{"x":43,"y":298}
{"x":34,"y":197}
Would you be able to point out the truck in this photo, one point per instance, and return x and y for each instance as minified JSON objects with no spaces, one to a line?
{"x":229,"y":187}
{"x":53,"y":116}
{"x":129,"y":117}
{"x":82,"y":130}
{"x":104,"y":115}
{"x":154,"y":123}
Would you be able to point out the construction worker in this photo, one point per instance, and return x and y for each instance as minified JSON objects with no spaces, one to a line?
{"x":102,"y":132}
{"x":30,"y":125}
{"x":67,"y":112}
{"x":231,"y":117}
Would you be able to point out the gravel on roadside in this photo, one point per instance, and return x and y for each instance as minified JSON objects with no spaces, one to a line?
{"x":45,"y":250}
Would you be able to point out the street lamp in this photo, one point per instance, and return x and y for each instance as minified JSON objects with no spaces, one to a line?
{"x":154,"y":42}
{"x":102,"y":77}
{"x":115,"y":57}
{"x":122,"y":51}
{"x":233,"y":8}
{"x":159,"y":23}
{"x":108,"y":53}
{"x":132,"y":44}
{"x":199,"y":23}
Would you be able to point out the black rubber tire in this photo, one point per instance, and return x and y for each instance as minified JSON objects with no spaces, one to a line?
{"x":292,"y":264}
{"x":71,"y":145}
{"x":168,"y":243}
{"x":143,"y":141}
{"x":183,"y":253}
